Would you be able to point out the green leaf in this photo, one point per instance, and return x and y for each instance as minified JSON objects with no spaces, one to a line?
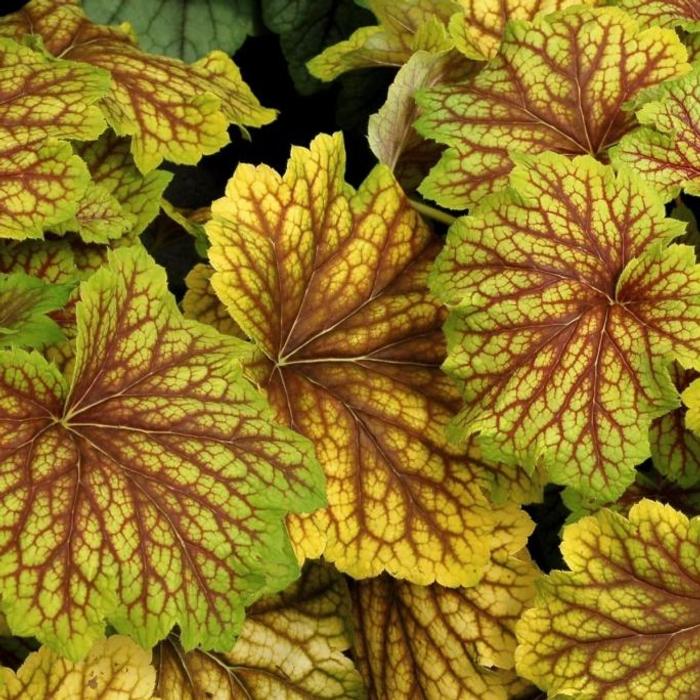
{"x":306,"y":27}
{"x":25,"y":302}
{"x":530,"y":98}
{"x":185,"y":29}
{"x":624,"y":622}
{"x":568,"y":304}
{"x":149,"y":489}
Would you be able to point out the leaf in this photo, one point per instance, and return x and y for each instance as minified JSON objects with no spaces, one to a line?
{"x":664,"y":13}
{"x":434,"y":643}
{"x":567,"y":305}
{"x":624,"y":621}
{"x":306,"y":27}
{"x":391,"y":135}
{"x":291,"y":646}
{"x":148,"y":491}
{"x":25,"y":302}
{"x":649,"y":485}
{"x":666,"y":149}
{"x":115,"y":668}
{"x":691,"y":398}
{"x":405,"y":26}
{"x":674,"y":449}
{"x":530,"y":97}
{"x":173,"y":110}
{"x":200,"y":302}
{"x":43,"y":100}
{"x":113,"y":170}
{"x":330,"y":284}
{"x":185,"y":29}
{"x":478,"y":30}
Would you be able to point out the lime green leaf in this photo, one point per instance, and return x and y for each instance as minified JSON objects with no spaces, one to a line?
{"x":434,"y":643}
{"x":201,"y":303}
{"x":113,"y":170}
{"x":291,"y":646}
{"x":691,"y":398}
{"x":405,"y":26}
{"x":649,"y":484}
{"x":568,"y":304}
{"x":360,"y":376}
{"x":664,"y":13}
{"x":666,"y":149}
{"x":529,"y":100}
{"x":115,"y":669}
{"x":185,"y":29}
{"x":191,"y":222}
{"x":173,"y":110}
{"x":42,"y":100}
{"x":306,"y":27}
{"x":623,"y":623}
{"x":478,"y":30}
{"x":149,"y":490}
{"x":25,"y":302}
{"x":674,"y":449}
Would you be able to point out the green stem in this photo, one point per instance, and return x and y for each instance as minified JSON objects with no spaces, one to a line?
{"x":433,"y":213}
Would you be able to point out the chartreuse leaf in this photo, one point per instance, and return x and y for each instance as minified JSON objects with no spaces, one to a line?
{"x":291,"y":646}
{"x":119,"y":200}
{"x":330,"y":284}
{"x":478,"y":30}
{"x":201,"y":303}
{"x":691,"y":398}
{"x":185,"y":29}
{"x":42,"y":100}
{"x":648,"y":484}
{"x":623,"y":623}
{"x":434,"y":642}
{"x":25,"y":302}
{"x":568,"y":305}
{"x":149,"y":489}
{"x":675,"y":449}
{"x":173,"y":110}
{"x":404,"y":26}
{"x":666,"y":149}
{"x":114,"y":669}
{"x":664,"y":13}
{"x":536,"y":96}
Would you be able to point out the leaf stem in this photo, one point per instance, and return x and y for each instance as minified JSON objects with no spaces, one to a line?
{"x":433,"y":213}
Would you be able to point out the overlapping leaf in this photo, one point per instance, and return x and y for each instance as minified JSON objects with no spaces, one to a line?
{"x":675,"y":449}
{"x":129,"y":200}
{"x":434,"y":643}
{"x":306,"y":27}
{"x":114,"y":669}
{"x":478,"y":30}
{"x":391,"y":134}
{"x":201,"y":303}
{"x":25,"y":302}
{"x":404,"y":27}
{"x":559,"y":83}
{"x":173,"y":110}
{"x":624,"y":622}
{"x":569,"y":304}
{"x":291,"y":646}
{"x":648,"y":484}
{"x":664,"y":13}
{"x":149,"y":490}
{"x":185,"y":29}
{"x":691,"y":398}
{"x":43,"y":100}
{"x":666,"y":149}
{"x":331,"y":286}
